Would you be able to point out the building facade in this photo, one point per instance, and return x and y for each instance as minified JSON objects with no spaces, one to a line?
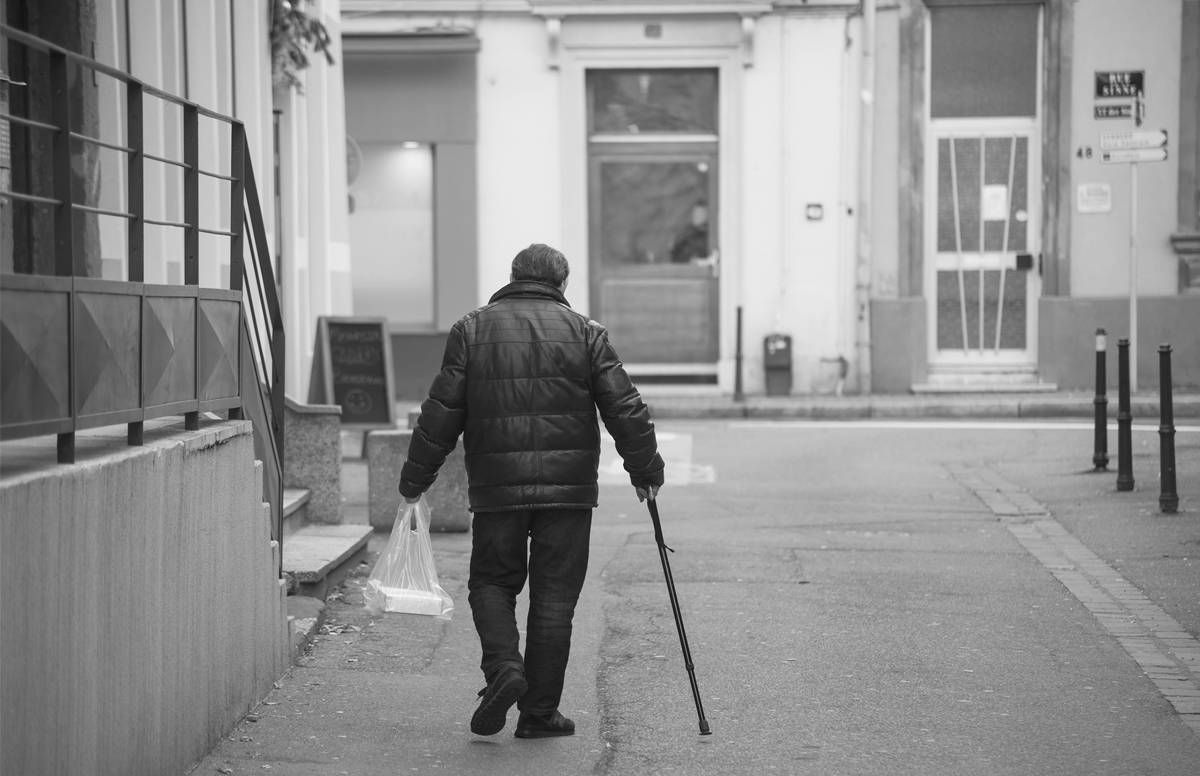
{"x":930,"y":211}
{"x":219,"y":55}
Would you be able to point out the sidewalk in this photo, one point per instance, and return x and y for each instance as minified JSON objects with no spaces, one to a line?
{"x":394,"y":694}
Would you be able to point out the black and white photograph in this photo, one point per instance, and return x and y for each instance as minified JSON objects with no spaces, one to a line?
{"x":600,"y":387}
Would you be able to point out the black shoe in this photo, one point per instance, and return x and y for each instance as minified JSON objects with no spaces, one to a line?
{"x":498,"y":697}
{"x":549,"y":726}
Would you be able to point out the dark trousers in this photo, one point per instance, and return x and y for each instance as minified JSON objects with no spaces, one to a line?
{"x":550,"y":546}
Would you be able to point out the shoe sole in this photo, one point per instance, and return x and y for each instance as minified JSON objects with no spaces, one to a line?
{"x":491,"y":715}
{"x":543,"y":733}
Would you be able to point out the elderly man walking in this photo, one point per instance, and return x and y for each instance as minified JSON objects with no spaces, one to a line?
{"x":521,"y":379}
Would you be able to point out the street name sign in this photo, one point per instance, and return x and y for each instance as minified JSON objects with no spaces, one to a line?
{"x":1120,"y":83}
{"x":1133,"y":139}
{"x":1134,"y":155}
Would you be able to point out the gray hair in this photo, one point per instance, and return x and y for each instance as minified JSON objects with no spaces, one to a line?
{"x":541,"y":263}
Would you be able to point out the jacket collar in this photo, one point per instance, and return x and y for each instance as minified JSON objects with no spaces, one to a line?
{"x":529,"y":288}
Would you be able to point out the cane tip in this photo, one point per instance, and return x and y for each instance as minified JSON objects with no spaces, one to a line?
{"x":705,"y":731}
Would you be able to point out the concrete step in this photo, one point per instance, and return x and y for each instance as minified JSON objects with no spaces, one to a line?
{"x":983,"y":379}
{"x":295,"y":509}
{"x":982,"y":386}
{"x":320,"y":556}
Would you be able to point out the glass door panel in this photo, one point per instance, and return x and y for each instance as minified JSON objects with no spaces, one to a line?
{"x":655,"y":265}
{"x":985,"y":272}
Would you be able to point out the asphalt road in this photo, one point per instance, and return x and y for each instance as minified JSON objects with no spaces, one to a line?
{"x":854,"y":606}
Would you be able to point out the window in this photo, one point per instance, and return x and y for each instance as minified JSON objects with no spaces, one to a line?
{"x":652,"y":101}
{"x":984,"y":61}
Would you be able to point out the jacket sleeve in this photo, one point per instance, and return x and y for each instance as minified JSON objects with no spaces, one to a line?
{"x":443,"y":415}
{"x":624,"y":413}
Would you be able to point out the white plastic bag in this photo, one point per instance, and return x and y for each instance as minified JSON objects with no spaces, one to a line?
{"x":404,"y":578}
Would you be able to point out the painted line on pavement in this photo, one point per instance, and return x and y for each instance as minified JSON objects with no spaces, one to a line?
{"x":1166,"y":653}
{"x":948,"y":425}
{"x":676,"y":451}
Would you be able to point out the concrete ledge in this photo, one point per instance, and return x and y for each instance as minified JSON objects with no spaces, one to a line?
{"x":188,"y":501}
{"x":448,"y":503}
{"x":318,"y":555}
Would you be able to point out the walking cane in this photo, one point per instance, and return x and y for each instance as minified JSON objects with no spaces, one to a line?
{"x":683,"y":642}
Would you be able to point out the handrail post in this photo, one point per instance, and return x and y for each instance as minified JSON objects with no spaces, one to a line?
{"x":135,"y":166}
{"x":64,"y":222}
{"x":237,"y":205}
{"x":237,"y":227}
{"x":191,"y":233}
{"x":136,"y":227}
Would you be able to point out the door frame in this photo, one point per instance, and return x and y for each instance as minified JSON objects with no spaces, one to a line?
{"x":583,"y":48}
{"x":989,"y":128}
{"x":1035,"y":207}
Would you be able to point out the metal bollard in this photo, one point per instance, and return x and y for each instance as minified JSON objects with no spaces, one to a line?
{"x":1100,"y":448}
{"x":1168,"y":498}
{"x":1124,"y":420}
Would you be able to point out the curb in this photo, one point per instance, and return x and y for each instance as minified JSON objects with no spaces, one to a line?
{"x":304,"y":616}
{"x":873,"y":407}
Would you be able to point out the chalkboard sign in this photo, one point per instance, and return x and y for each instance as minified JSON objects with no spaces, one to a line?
{"x":352,"y":367}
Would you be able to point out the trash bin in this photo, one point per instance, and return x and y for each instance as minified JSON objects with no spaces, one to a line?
{"x":777,"y":364}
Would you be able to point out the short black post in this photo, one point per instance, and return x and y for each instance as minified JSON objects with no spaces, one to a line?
{"x":1124,"y":420}
{"x":66,"y":447}
{"x":738,"y":393}
{"x":1168,"y":498}
{"x":1100,"y":448}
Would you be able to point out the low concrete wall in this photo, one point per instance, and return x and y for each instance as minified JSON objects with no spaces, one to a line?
{"x":1067,"y":337}
{"x":312,"y":446}
{"x":447,"y":498}
{"x":897,"y":344}
{"x":142,"y":613}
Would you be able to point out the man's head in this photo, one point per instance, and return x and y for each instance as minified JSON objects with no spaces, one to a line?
{"x":541,"y":263}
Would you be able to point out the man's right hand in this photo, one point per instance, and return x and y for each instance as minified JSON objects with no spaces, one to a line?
{"x":648,"y":492}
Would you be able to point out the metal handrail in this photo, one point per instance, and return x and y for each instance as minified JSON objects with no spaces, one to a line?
{"x":246,"y":232}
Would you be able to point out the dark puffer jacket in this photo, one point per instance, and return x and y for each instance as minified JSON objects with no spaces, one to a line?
{"x":521,"y":379}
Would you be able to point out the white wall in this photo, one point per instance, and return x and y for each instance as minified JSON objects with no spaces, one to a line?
{"x":520,"y":186}
{"x":788,"y":139}
{"x":1125,"y":35}
{"x":315,"y":261}
{"x":799,"y":149}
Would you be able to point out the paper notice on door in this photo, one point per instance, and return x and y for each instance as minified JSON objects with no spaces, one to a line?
{"x":995,"y":202}
{"x":1093,"y":198}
